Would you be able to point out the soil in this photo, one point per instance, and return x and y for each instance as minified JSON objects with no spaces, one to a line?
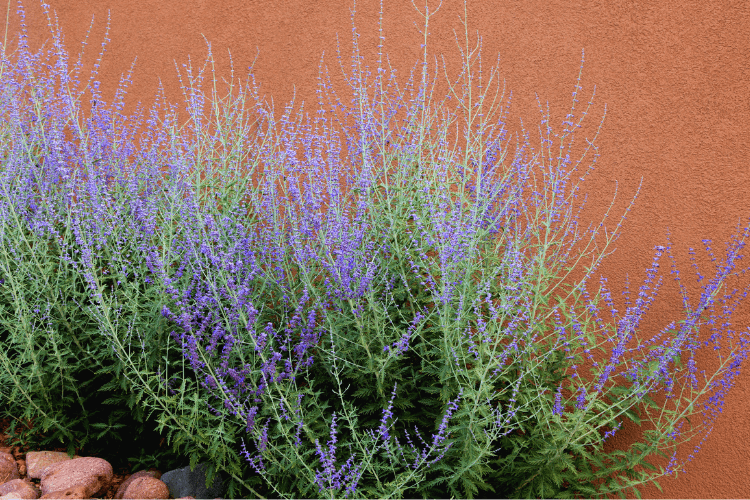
{"x":119,"y":476}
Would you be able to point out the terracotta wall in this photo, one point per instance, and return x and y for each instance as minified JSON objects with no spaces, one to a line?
{"x":673,"y":75}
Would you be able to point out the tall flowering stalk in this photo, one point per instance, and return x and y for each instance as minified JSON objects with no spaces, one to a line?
{"x":402,"y":321}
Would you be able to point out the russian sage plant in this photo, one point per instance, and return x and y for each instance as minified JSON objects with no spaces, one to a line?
{"x":62,"y":230}
{"x":413,"y":319}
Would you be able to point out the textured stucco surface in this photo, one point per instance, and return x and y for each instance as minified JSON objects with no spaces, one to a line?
{"x":673,"y":74}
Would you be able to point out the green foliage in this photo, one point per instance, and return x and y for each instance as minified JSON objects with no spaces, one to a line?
{"x":69,"y":378}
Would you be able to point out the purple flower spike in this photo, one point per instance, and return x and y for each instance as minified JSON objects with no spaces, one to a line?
{"x":387,"y":413}
{"x":558,"y":401}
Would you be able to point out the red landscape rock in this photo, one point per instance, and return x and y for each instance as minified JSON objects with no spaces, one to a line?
{"x":53,"y":474}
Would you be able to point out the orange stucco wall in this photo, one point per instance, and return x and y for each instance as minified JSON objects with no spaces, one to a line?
{"x":673,"y":74}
